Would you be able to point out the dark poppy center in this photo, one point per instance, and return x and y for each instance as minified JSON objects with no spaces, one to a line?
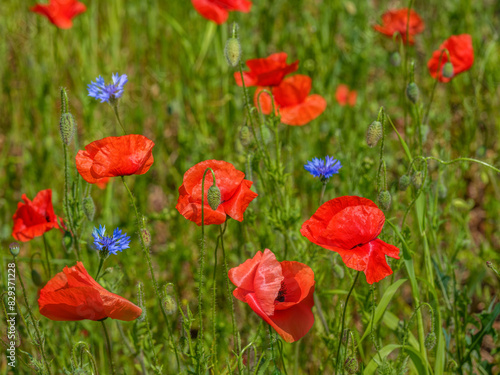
{"x":281,"y":294}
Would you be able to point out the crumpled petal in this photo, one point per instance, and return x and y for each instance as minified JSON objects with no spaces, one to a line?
{"x":395,"y":21}
{"x":217,"y":10}
{"x":236,"y":206}
{"x":60,"y":12}
{"x":461,"y":54}
{"x":268,"y":71}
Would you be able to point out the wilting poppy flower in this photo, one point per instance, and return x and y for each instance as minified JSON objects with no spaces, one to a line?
{"x":350,"y":226}
{"x":292,"y":101}
{"x":234,"y":190}
{"x":461,"y":53}
{"x":268,"y":71}
{"x":60,"y":12}
{"x":345,"y":96}
{"x":74,"y":295}
{"x":281,"y":293}
{"x":396,"y":21}
{"x":218,"y":10}
{"x":115,"y":156}
{"x":34,"y":218}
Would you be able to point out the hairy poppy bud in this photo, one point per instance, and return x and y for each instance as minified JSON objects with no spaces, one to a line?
{"x":140,"y":301}
{"x":146,"y":237}
{"x":374,"y":133}
{"x":384,"y":200}
{"x":88,"y":208}
{"x":448,"y":70}
{"x":168,"y":301}
{"x":430,"y":340}
{"x":233,"y":51}
{"x":67,"y":126}
{"x":213,"y":197}
{"x":245,"y":136}
{"x":37,"y":279}
{"x":404,"y":182}
{"x":351,"y":365}
{"x":417,"y":179}
{"x":395,"y":59}
{"x":67,"y":240}
{"x":14,"y":249}
{"x":412,"y":92}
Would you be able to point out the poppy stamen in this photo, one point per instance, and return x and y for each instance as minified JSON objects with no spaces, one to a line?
{"x":281,"y":294}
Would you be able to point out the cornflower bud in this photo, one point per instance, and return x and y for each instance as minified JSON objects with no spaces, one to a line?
{"x":374,"y":133}
{"x":145,"y":236}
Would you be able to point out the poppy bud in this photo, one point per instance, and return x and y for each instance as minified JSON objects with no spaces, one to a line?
{"x":88,"y":208}
{"x":37,"y":279}
{"x":14,"y":249}
{"x":417,"y":179}
{"x":67,"y":240}
{"x":67,"y":126}
{"x":395,"y":59}
{"x":140,"y":301}
{"x":404,"y":182}
{"x":267,"y":136}
{"x":146,"y":237}
{"x":213,"y":197}
{"x":233,"y":51}
{"x":245,"y":136}
{"x":168,"y":301}
{"x":430,"y":340}
{"x":351,"y":365}
{"x":448,"y":70}
{"x":384,"y":200}
{"x":412,"y":92}
{"x":374,"y":133}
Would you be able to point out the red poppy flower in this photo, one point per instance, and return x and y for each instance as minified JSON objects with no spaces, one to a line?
{"x":34,"y":218}
{"x":235,"y":192}
{"x":350,"y":226}
{"x":268,"y":71}
{"x":461,"y":54}
{"x":74,"y":295}
{"x":218,"y":10}
{"x":345,"y":96}
{"x":60,"y":12}
{"x":281,"y":293}
{"x":292,"y":101}
{"x":395,"y":21}
{"x":115,"y":156}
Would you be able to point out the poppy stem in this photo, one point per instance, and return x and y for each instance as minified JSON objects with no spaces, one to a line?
{"x":343,"y":319}
{"x":101,"y":262}
{"x":109,"y":348}
{"x":46,"y":246}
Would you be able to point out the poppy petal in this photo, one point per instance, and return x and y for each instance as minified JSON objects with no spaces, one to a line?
{"x":301,"y":114}
{"x":236,"y":206}
{"x":211,"y":11}
{"x":298,"y":281}
{"x":243,"y":276}
{"x":293,"y":90}
{"x":268,"y":71}
{"x":192,"y":212}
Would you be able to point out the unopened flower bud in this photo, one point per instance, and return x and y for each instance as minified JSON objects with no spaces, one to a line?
{"x":417,"y":179}
{"x":233,"y":51}
{"x":67,"y":240}
{"x":213,"y":197}
{"x":374,"y":133}
{"x":169,"y":301}
{"x":245,"y":136}
{"x":448,"y":70}
{"x":267,"y":136}
{"x":37,"y":279}
{"x":351,"y":365}
{"x":404,"y":182}
{"x":67,"y":126}
{"x":430,"y":340}
{"x":14,"y":249}
{"x":145,"y":236}
{"x":141,"y":302}
{"x":384,"y":200}
{"x":395,"y":59}
{"x":412,"y":92}
{"x":88,"y":208}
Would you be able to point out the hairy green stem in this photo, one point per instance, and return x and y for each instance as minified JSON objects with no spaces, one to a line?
{"x":110,"y":357}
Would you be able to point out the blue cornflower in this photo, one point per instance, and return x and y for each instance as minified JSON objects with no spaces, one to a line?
{"x":323,"y":169}
{"x":110,"y":244}
{"x":108,"y":93}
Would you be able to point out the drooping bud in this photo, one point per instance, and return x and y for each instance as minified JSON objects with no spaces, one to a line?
{"x":374,"y":133}
{"x":14,"y":249}
{"x":430,"y":340}
{"x":145,"y":236}
{"x":67,"y":126}
{"x":351,"y":365}
{"x":448,"y":70}
{"x":404,"y":182}
{"x":417,"y":179}
{"x":213,"y":197}
{"x":37,"y":279}
{"x":168,"y":300}
{"x":412,"y":92}
{"x":395,"y":59}
{"x":384,"y":200}
{"x":233,"y":51}
{"x":88,"y":207}
{"x":245,"y":136}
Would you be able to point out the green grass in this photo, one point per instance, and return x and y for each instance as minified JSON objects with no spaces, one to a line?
{"x":182,"y":95}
